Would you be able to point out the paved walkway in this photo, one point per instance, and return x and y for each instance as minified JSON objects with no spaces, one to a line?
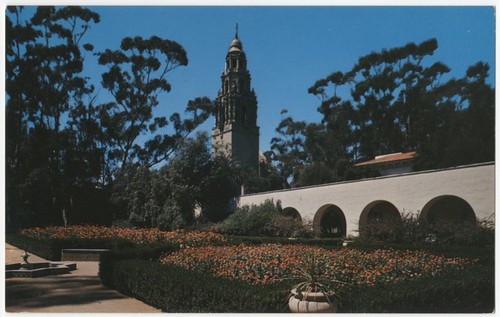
{"x":80,"y":291}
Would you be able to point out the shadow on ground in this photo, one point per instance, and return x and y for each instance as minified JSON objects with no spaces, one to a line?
{"x":48,"y":292}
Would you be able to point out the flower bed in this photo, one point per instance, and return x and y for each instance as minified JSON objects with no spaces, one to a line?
{"x":270,"y":263}
{"x":188,"y":238}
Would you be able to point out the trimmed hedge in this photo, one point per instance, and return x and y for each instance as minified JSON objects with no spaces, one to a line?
{"x":42,"y":248}
{"x":468,"y":291}
{"x":326,"y":242}
{"x":177,"y":290}
{"x":486,"y":254}
{"x":50,"y":249}
{"x":146,"y":251}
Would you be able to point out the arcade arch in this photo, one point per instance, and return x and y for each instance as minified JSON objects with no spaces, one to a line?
{"x":292,"y":213}
{"x":329,"y":221}
{"x":448,"y":209}
{"x":379,"y":218}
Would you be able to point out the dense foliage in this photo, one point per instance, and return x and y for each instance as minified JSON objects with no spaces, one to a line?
{"x":390,"y":101}
{"x":67,"y":154}
{"x":167,"y":197}
{"x":266,"y":219}
{"x":410,"y":231}
{"x":48,"y":158}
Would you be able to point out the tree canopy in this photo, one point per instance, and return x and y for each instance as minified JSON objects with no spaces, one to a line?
{"x":68,"y":156}
{"x":397,"y":102}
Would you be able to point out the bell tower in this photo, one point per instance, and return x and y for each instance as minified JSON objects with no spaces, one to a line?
{"x":236,"y":133}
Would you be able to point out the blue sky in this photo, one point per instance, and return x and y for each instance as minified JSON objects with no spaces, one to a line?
{"x":289,"y":48}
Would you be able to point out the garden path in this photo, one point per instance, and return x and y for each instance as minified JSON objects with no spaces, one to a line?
{"x":80,"y":291}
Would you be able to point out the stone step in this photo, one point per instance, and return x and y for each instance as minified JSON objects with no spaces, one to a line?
{"x":82,"y":255}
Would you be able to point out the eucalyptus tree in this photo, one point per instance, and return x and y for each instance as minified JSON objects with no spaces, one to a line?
{"x":480,"y":98}
{"x":390,"y":101}
{"x":462,"y":129}
{"x":389,"y":90}
{"x":44,"y":62}
{"x":288,"y":150}
{"x":218,"y":187}
{"x":136,"y":76}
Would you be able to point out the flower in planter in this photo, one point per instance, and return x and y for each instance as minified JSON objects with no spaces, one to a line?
{"x":315,"y":293}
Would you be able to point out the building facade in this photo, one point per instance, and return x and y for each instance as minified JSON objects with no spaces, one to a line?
{"x":236,"y":134}
{"x":392,"y":164}
{"x":463,"y":193}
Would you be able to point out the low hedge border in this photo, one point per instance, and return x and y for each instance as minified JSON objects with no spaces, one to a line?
{"x":50,"y":249}
{"x":137,"y":273}
{"x":469,"y":291}
{"x":485,"y":254}
{"x":144,"y":251}
{"x":326,"y":242}
{"x":177,"y":290}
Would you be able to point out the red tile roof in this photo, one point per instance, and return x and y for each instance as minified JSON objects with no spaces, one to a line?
{"x":389,"y":158}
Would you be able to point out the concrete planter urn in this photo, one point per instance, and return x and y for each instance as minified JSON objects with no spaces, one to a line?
{"x":314,"y":292}
{"x":312,"y":302}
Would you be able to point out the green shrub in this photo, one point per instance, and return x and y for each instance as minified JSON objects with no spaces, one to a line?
{"x":464,"y":234}
{"x":387,"y":230}
{"x":265,"y":219}
{"x":410,"y":231}
{"x":174,"y":289}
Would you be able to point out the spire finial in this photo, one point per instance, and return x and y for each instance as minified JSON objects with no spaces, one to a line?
{"x":236,"y":36}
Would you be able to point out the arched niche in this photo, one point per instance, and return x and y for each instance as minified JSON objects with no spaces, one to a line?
{"x":292,"y":213}
{"x":379,"y":218}
{"x":329,"y":221}
{"x":448,"y":209}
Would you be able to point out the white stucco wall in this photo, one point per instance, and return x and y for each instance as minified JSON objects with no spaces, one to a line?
{"x":408,"y":192}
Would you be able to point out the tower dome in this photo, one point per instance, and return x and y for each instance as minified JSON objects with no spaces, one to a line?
{"x":235,"y":45}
